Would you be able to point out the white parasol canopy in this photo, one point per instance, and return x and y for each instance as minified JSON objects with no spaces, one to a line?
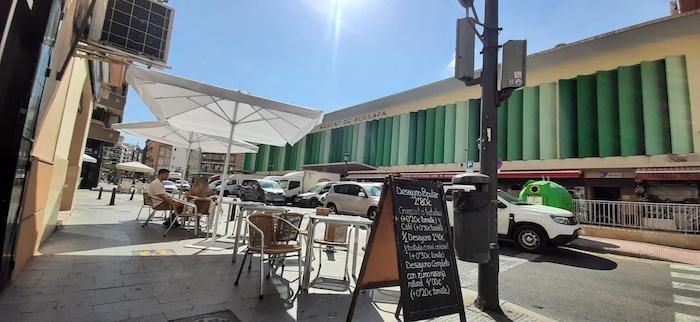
{"x":163,"y":132}
{"x":135,"y":166}
{"x":202,"y":108}
{"x":88,"y":159}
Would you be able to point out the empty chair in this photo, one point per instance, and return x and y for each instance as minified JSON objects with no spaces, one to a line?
{"x":274,"y":236}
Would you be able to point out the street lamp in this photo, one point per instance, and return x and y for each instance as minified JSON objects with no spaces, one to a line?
{"x":346,"y":158}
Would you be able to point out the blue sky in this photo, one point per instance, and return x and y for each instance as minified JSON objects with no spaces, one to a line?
{"x":330,"y":54}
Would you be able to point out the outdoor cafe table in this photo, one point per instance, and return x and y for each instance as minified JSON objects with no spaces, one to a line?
{"x":355,"y":221}
{"x":243,"y":209}
{"x":234,"y":209}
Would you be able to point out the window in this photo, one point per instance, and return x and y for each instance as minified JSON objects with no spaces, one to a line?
{"x":340,"y":188}
{"x":294,"y":184}
{"x":353,"y":190}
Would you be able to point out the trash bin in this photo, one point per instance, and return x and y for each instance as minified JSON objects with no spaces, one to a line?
{"x":471,"y":218}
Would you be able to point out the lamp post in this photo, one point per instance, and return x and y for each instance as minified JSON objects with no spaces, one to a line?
{"x":346,"y":158}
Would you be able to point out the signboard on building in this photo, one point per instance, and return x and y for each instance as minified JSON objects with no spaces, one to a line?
{"x":352,"y":120}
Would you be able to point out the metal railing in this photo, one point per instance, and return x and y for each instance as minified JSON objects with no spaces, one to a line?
{"x":683,"y":218}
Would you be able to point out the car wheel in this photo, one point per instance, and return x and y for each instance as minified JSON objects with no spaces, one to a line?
{"x":332,"y":208}
{"x":314,"y":203}
{"x":372,"y":213}
{"x":226,"y":193}
{"x":530,"y":239}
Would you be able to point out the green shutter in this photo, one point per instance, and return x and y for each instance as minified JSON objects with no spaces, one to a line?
{"x":502,"y":130}
{"x":608,"y":117}
{"x":396,"y":131}
{"x":474,"y":130}
{"x":629,"y":84}
{"x":412,"y":138}
{"x":462,"y":127}
{"x":429,"y":136}
{"x":404,"y":134}
{"x":568,"y":144}
{"x":548,"y":121}
{"x":679,"y":105}
{"x":420,"y":137}
{"x":586,"y":116}
{"x":361,"y":142}
{"x":657,"y":138}
{"x":381,"y":128}
{"x":515,"y":126}
{"x":388,"y":130}
{"x":439,"y":139}
{"x":531,"y":123}
{"x":450,"y":121}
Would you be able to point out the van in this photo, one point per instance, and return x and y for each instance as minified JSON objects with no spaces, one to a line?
{"x":298,"y":182}
{"x":532,"y":227}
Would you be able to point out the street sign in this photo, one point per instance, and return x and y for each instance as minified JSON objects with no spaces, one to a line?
{"x":470,"y":164}
{"x":411,"y":246}
{"x":499,"y":164}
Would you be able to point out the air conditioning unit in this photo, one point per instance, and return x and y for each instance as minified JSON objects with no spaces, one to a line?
{"x":140,"y":29}
{"x":110,"y":100}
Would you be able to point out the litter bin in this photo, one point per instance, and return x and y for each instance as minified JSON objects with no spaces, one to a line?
{"x":471,"y":218}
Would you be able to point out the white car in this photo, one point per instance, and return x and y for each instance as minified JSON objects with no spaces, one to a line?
{"x":354,"y":198}
{"x":182,"y":185}
{"x":170,"y":187}
{"x":531,"y":227}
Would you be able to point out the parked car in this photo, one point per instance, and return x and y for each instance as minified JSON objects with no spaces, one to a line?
{"x":261,"y":190}
{"x":313,"y":197}
{"x":297,"y":182}
{"x":182,"y":185}
{"x":214,"y":185}
{"x":232,"y":187}
{"x":532,"y":227}
{"x":170,"y":187}
{"x":354,"y":198}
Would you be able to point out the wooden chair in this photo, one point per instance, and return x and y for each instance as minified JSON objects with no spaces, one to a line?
{"x":274,"y":236}
{"x":205,"y":207}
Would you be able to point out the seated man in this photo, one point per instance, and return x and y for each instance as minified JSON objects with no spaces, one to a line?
{"x":161,"y":200}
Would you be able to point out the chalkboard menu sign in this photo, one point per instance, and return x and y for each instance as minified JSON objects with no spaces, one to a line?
{"x":427,"y":266}
{"x":410,"y":246}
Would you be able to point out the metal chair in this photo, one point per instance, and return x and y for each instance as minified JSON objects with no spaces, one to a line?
{"x":189,"y":211}
{"x":148,"y":202}
{"x":336,"y":236}
{"x":274,"y":236}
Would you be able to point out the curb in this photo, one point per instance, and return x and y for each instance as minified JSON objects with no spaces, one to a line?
{"x":512,"y":312}
{"x":623,"y":253}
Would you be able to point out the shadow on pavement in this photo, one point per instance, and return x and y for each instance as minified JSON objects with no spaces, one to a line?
{"x":570,"y":257}
{"x":323,"y":307}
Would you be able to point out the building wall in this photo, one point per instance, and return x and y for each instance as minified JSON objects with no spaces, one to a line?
{"x":53,"y":165}
{"x":178,"y":159}
{"x":629,"y":98}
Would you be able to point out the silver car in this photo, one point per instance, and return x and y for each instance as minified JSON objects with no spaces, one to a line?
{"x":354,"y":198}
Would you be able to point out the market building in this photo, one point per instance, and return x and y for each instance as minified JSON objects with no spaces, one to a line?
{"x":615,"y":117}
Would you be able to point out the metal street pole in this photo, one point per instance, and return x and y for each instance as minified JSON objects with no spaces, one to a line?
{"x":487,"y":299}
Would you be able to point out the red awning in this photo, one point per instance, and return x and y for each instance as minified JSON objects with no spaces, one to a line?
{"x":565,"y":174}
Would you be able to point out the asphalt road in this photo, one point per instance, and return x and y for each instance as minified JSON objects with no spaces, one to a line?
{"x":572,"y":285}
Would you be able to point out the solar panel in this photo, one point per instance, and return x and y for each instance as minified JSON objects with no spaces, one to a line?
{"x":140,"y":27}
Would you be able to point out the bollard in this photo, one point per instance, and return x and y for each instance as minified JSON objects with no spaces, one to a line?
{"x":132,"y":194}
{"x":99,"y":195}
{"x":114,"y":194}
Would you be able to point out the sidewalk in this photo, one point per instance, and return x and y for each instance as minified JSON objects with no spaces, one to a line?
{"x":637,"y":249}
{"x":101,"y":265}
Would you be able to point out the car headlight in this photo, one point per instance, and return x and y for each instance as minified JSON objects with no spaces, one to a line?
{"x":564,"y":220}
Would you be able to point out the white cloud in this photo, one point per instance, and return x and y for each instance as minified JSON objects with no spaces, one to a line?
{"x":451,"y":64}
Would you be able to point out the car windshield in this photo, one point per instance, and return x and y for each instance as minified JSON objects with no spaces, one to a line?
{"x":317,"y":188}
{"x":511,"y":199}
{"x":373,"y":190}
{"x":284,"y":184}
{"x":269,"y":184}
